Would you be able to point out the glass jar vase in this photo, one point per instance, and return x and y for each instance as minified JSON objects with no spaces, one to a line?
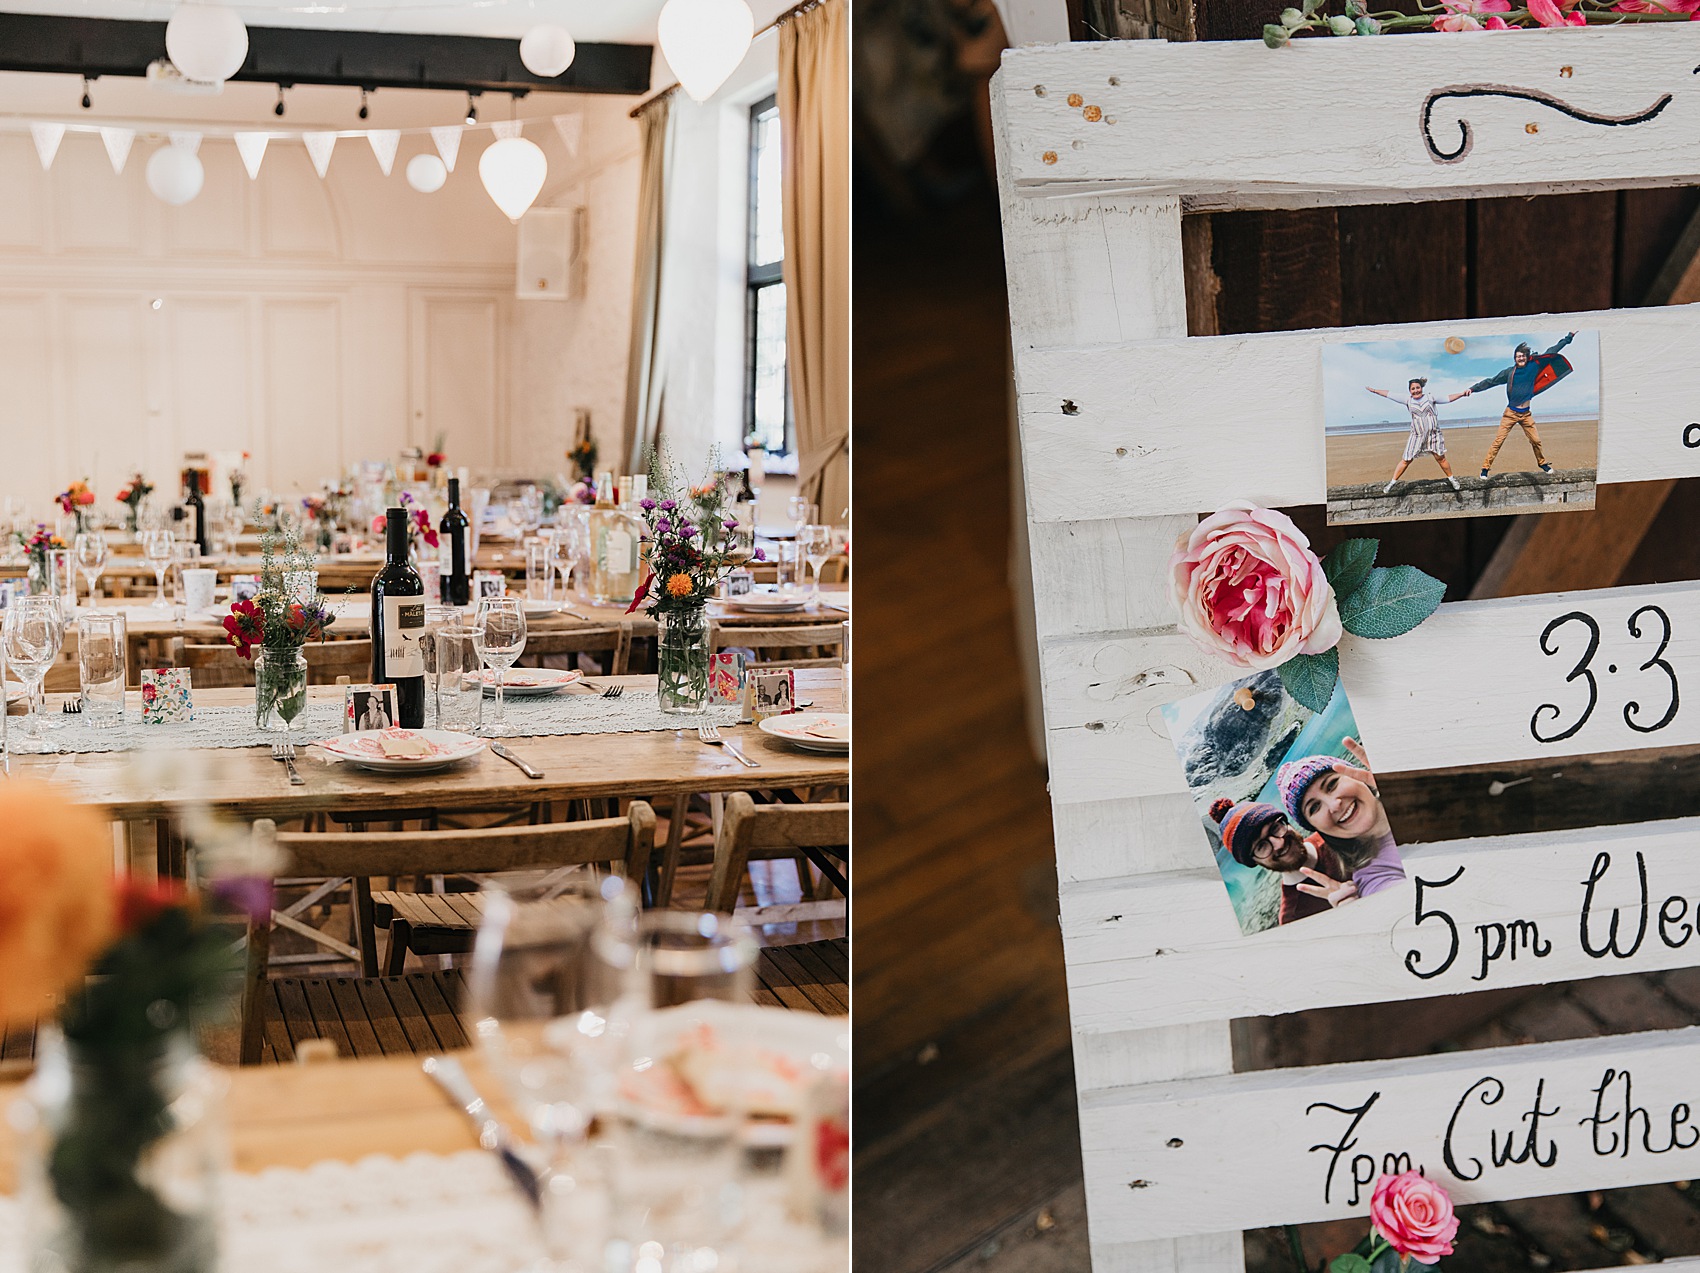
{"x":681,"y":660}
{"x":280,"y":688}
{"x":122,"y":1150}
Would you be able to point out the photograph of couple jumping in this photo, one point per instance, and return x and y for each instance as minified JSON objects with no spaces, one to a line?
{"x":1288,"y":800}
{"x":1419,"y":428}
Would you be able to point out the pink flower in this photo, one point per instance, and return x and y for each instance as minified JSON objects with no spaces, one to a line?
{"x":1549,"y":14}
{"x":1657,"y":6}
{"x":1249,"y":589}
{"x":1456,"y":22}
{"x":1498,"y":24}
{"x":1415,"y":1216}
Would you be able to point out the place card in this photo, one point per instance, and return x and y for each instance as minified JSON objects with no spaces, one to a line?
{"x":165,"y":696}
{"x":726,"y":676}
{"x":368,"y":707}
{"x":739,"y":582}
{"x":772,"y":692}
{"x":244,"y":587}
{"x":488,"y":583}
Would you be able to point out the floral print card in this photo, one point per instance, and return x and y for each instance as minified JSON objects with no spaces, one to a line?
{"x":165,"y":696}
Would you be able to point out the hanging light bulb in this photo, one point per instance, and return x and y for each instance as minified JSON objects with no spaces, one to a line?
{"x":426,"y":173}
{"x":471,"y":110}
{"x":364,"y":109}
{"x":87,"y":100}
{"x":207,"y":42}
{"x":278,"y":109}
{"x":704,"y":41}
{"x":547,"y":50}
{"x":513,"y":171}
{"x":175,"y":174}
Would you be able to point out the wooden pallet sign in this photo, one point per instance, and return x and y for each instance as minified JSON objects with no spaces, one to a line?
{"x":1130,"y":430}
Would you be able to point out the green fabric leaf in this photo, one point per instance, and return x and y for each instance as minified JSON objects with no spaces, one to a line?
{"x":1348,"y":565}
{"x":1310,"y":677}
{"x":1391,"y":602}
{"x":1274,"y":35}
{"x":1351,"y":1262}
{"x":1389,"y":1261}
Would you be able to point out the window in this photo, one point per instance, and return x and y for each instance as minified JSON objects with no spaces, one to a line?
{"x":767,"y":411}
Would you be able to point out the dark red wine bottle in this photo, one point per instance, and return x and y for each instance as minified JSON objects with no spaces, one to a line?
{"x":457,"y":579}
{"x":398,"y":624}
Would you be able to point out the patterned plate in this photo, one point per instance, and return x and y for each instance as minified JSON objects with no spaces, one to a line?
{"x":364,"y":748}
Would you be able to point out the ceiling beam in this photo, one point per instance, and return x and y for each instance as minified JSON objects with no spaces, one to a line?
{"x":290,"y":56}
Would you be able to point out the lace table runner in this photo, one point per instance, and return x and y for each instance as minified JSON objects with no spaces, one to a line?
{"x":635,"y":711}
{"x":428,"y":1213}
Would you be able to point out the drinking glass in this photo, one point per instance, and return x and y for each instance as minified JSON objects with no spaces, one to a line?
{"x":676,"y":1157}
{"x":34,"y":631}
{"x":90,"y":549}
{"x":528,"y":510}
{"x":498,"y":635}
{"x":788,"y":565}
{"x":801,"y":511}
{"x":156,"y":547}
{"x":185,"y":555}
{"x":551,"y":956}
{"x":539,"y":570}
{"x":459,"y":690}
{"x":100,"y":664}
{"x":815,"y":543}
{"x":62,"y":577}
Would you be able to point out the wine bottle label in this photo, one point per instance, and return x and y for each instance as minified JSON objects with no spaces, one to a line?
{"x":620,"y":559}
{"x":404,"y":626}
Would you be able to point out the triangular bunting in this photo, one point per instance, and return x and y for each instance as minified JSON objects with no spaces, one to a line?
{"x":319,"y":146}
{"x":117,"y":142}
{"x":384,"y":142}
{"x":448,"y":145}
{"x":190,"y":142}
{"x":571,"y":128}
{"x":252,"y":148}
{"x":506,"y":128}
{"x":47,"y":139}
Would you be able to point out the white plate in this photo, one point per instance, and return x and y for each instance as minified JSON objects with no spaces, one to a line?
{"x":768,"y":602}
{"x":362,"y":749}
{"x":530,"y":682}
{"x":541,"y":609}
{"x":793,"y":728}
{"x":772,"y":1055}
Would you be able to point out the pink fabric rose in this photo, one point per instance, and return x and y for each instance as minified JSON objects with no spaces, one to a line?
{"x":1415,"y":1216}
{"x":1249,"y":589}
{"x":1549,"y":13}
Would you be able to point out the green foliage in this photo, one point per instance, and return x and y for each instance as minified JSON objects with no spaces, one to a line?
{"x":1349,"y":565}
{"x":1274,"y":35}
{"x":1351,"y":1262}
{"x":1310,"y":678}
{"x":1390,"y":602}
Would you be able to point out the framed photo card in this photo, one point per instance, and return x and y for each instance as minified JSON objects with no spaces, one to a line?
{"x":368,"y":707}
{"x":1456,"y":427}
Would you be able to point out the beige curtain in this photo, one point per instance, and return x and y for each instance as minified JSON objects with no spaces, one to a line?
{"x":645,"y":374}
{"x":814,"y":118}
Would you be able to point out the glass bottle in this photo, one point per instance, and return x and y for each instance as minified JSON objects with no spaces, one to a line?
{"x":398,"y":624}
{"x":615,"y":536}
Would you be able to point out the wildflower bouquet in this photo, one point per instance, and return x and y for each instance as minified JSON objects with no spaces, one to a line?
{"x":36,"y":545}
{"x":238,"y":480}
{"x":420,"y":533}
{"x":439,"y":453}
{"x":276,"y":622}
{"x":582,"y":455}
{"x":1313,"y":16}
{"x":74,"y":500}
{"x":131,"y":495}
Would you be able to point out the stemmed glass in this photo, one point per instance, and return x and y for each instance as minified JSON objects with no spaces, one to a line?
{"x":157,"y":547}
{"x":90,"y":548}
{"x":498,"y":636}
{"x":34,"y":631}
{"x":815,"y":542}
{"x":802,"y":512}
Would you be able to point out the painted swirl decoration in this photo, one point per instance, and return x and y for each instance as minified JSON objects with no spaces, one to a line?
{"x":1466,"y":137}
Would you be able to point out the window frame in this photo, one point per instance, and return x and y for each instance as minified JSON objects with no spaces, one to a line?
{"x":758,"y":277}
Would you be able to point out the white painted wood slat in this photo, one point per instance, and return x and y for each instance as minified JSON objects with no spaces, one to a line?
{"x":1462,"y":689}
{"x":1343,"y":120}
{"x":1256,"y":1149}
{"x":1507,"y":911}
{"x":1184,"y":426}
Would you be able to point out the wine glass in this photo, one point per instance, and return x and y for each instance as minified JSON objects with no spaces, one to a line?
{"x":498,"y":635}
{"x":157,"y":547}
{"x":90,"y":549}
{"x":549,"y":961}
{"x":34,"y":631}
{"x":815,"y":542}
{"x":801,"y":511}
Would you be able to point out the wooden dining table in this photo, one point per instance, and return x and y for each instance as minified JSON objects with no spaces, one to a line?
{"x":246,"y":783}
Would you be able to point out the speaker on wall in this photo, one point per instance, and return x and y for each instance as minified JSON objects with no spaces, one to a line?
{"x":551,"y":255}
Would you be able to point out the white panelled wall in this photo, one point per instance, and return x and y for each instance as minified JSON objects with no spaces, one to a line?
{"x":310,"y":322}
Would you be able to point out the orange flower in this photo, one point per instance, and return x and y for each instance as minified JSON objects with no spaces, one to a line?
{"x":679,"y":585}
{"x":57,"y":909}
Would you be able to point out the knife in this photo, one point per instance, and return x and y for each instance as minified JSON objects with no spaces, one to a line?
{"x":512,"y":759}
{"x":447,"y":1073}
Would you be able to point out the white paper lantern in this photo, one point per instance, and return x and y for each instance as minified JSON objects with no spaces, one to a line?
{"x":175,"y":174}
{"x":426,"y":173}
{"x":547,"y":50}
{"x":513,"y":171}
{"x":704,"y":41}
{"x":207,"y":42}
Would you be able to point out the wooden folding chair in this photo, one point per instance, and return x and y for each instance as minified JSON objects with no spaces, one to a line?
{"x":372,"y":1015}
{"x":814,"y":645}
{"x":613,"y":641}
{"x":751,"y":831}
{"x":210,"y":666}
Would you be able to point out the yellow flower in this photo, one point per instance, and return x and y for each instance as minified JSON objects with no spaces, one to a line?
{"x":679,"y":585}
{"x":56,"y":911}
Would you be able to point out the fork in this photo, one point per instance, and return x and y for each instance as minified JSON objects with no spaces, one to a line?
{"x":710,"y":734}
{"x":607,"y":691}
{"x":286,"y":753}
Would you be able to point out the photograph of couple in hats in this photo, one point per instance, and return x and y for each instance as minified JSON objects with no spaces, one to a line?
{"x":1287,"y":798}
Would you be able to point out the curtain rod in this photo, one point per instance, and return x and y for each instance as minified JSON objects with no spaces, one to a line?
{"x":790,"y":13}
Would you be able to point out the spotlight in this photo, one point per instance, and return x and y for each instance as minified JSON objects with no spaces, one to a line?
{"x":278,"y":109}
{"x":471,"y":110}
{"x":87,"y":100}
{"x":364,"y":111}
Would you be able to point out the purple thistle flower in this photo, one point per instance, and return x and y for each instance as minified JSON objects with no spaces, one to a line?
{"x":250,"y":894}
{"x":760,"y":555}
{"x":731,"y":523}
{"x":647,"y":504}
{"x":668,"y":505}
{"x":686,"y":531}
{"x":663,"y":525}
